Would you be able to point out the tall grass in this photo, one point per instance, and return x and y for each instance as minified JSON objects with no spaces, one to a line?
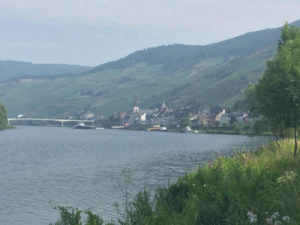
{"x":260,"y":187}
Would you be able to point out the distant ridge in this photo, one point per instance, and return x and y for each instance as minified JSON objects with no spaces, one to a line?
{"x":177,"y":55}
{"x":180,"y":75}
{"x":10,"y":69}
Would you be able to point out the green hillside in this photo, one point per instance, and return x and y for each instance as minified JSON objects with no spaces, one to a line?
{"x":15,"y":69}
{"x":202,"y":76}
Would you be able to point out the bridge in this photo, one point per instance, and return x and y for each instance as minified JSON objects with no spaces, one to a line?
{"x":62,"y":121}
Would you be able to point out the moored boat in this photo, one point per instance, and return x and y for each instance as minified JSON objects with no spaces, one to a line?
{"x":158,"y":128}
{"x":163,"y":129}
{"x":84,"y":126}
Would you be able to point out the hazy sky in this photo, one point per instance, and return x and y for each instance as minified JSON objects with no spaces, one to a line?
{"x":91,"y":32}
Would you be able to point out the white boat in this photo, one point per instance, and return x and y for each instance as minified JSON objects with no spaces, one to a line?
{"x":82,"y":125}
{"x":187,"y":130}
{"x":117,"y":127}
{"x":163,"y":129}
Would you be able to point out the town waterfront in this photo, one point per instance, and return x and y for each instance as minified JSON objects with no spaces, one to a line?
{"x":44,"y":167}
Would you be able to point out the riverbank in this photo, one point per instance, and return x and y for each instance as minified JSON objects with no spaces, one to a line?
{"x":210,"y":130}
{"x":240,"y":129}
{"x":6,"y":128}
{"x":259,"y":187}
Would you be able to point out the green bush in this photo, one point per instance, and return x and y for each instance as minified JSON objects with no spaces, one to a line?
{"x":139,"y":210}
{"x":73,"y":216}
{"x":69,"y":216}
{"x":231,"y":188}
{"x":3,"y":117}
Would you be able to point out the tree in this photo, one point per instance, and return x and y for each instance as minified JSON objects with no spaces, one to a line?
{"x":184,"y":122}
{"x":278,"y":91}
{"x":3,"y":117}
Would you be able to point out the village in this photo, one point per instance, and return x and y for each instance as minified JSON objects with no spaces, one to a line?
{"x":188,"y":119}
{"x":185,"y":119}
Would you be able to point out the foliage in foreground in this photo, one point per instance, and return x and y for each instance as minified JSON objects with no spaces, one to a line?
{"x":277,"y":94}
{"x":3,"y":117}
{"x":73,"y":216}
{"x":260,"y":187}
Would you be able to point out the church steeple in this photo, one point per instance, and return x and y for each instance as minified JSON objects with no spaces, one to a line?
{"x":136,"y":101}
{"x":136,"y":105}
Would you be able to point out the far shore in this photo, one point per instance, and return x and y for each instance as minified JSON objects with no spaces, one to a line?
{"x":207,"y":130}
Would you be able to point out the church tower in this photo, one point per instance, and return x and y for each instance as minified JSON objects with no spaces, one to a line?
{"x":136,"y":107}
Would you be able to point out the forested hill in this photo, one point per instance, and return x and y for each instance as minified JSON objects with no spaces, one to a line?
{"x":184,"y":56}
{"x":17,"y":69}
{"x":180,"y":75}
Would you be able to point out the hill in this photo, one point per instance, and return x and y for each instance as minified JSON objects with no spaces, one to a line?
{"x":15,"y":69}
{"x":181,"y":75}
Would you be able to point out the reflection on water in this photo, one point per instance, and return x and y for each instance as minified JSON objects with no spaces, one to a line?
{"x":45,"y":167}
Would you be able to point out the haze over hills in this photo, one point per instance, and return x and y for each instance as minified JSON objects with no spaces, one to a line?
{"x":16,"y":69}
{"x":180,"y":75}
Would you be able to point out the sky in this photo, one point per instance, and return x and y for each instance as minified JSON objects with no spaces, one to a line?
{"x":92,"y":32}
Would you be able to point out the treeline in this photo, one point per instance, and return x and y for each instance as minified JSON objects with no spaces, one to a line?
{"x":3,"y":117}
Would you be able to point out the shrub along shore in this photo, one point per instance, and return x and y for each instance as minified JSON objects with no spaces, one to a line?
{"x":259,"y":187}
{"x":3,"y":117}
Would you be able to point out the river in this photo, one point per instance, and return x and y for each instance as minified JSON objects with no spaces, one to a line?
{"x":44,"y":167}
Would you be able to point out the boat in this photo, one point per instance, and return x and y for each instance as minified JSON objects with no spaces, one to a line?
{"x":117,"y":127}
{"x":154,"y":128}
{"x":187,"y":130}
{"x":158,"y":128}
{"x":163,"y":129}
{"x":82,"y":125}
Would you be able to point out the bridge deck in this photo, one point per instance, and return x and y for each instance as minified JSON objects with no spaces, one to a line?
{"x":62,"y":121}
{"x":45,"y":119}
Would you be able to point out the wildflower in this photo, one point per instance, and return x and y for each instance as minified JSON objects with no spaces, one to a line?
{"x":252,"y":217}
{"x":275,"y":215}
{"x":194,"y":185}
{"x":269,"y":220}
{"x":277,"y":222}
{"x":204,"y":185}
{"x":287,"y":177}
{"x":286,"y":218}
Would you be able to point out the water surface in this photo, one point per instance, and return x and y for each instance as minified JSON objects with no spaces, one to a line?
{"x":43,"y":167}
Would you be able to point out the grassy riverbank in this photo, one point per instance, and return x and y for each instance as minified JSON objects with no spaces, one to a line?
{"x":259,"y":187}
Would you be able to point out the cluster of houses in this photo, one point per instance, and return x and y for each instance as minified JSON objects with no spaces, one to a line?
{"x":168,"y":117}
{"x":163,"y":116}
